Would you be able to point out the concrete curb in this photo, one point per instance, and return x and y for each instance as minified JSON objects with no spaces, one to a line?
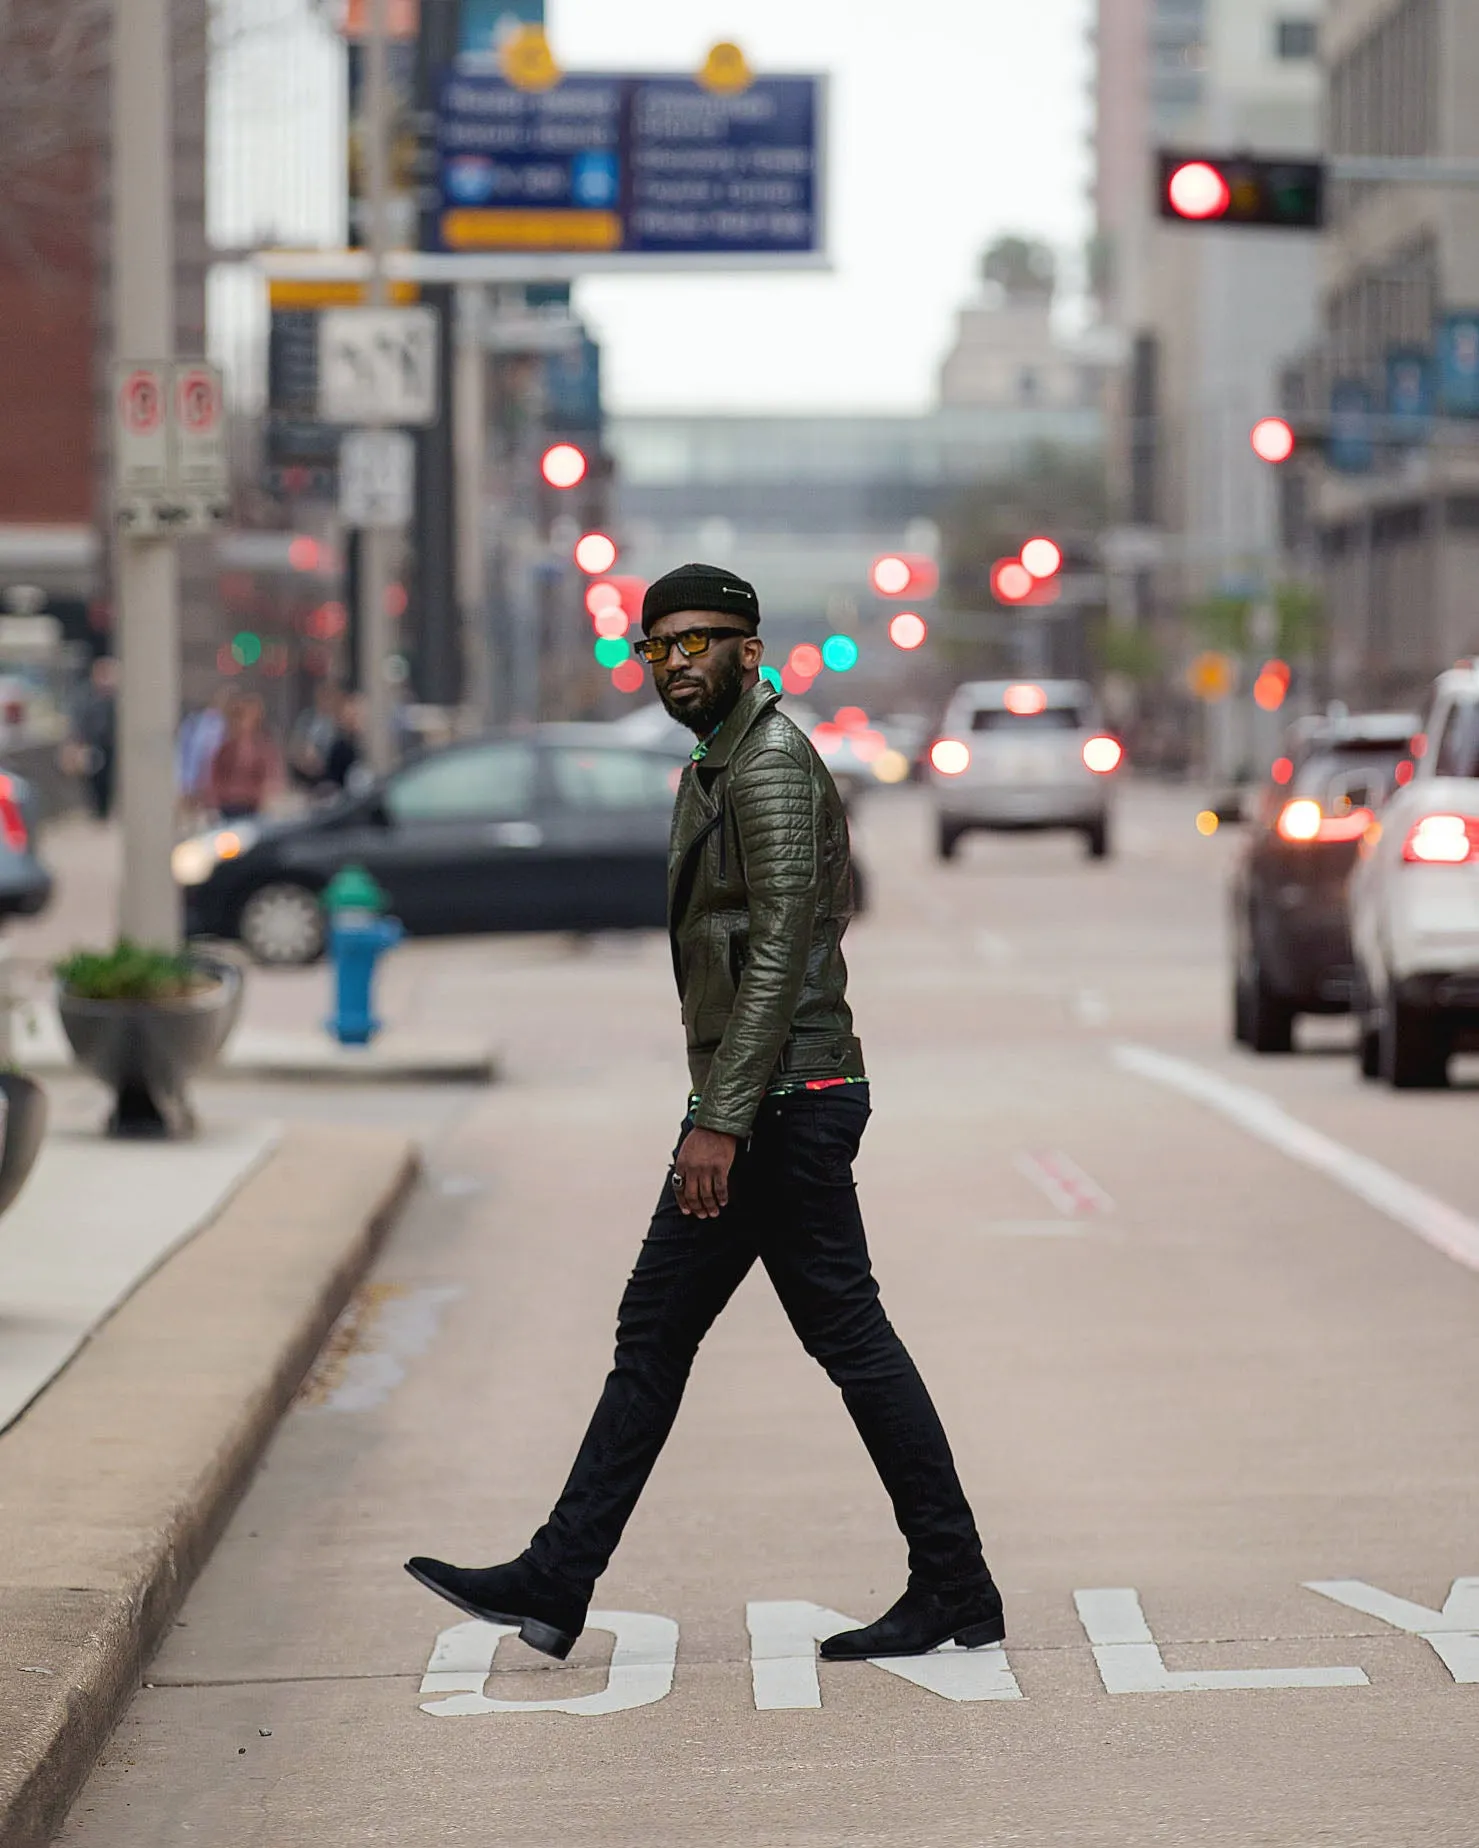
{"x":116,"y":1484}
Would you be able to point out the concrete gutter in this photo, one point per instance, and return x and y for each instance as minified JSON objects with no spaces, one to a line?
{"x":116,"y":1484}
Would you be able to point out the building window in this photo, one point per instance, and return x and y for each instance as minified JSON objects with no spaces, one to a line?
{"x":1297,"y":38}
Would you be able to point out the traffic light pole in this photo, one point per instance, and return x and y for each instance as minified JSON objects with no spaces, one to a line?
{"x":375,"y":541}
{"x":147,"y":576}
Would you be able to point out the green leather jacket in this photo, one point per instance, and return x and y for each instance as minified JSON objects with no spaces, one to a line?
{"x":759,"y":894}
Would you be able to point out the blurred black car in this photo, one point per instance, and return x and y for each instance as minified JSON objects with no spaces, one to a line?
{"x":1291,"y":931}
{"x":560,"y":829}
{"x":25,"y":884}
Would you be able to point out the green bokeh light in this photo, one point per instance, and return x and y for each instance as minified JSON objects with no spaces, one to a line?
{"x":840,"y":652}
{"x":772,"y":674}
{"x":246,"y":648}
{"x":612,"y":650}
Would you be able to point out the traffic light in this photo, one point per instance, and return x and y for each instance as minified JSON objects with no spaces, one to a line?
{"x":1043,"y":558}
{"x":563,"y":465}
{"x":907,"y":630}
{"x":1241,"y":189}
{"x":1030,"y":577}
{"x":905,"y":574}
{"x":1273,"y":439}
{"x":595,"y":553}
{"x":1011,"y":581}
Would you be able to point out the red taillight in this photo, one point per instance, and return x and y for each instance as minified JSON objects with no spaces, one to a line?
{"x":950,"y":756}
{"x":12,"y":821}
{"x":1282,"y":770}
{"x":1103,"y":754}
{"x":1442,"y":840}
{"x":1303,"y":820}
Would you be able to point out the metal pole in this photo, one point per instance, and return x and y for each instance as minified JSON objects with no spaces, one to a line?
{"x":148,"y":614}
{"x":375,"y":541}
{"x":469,"y":425}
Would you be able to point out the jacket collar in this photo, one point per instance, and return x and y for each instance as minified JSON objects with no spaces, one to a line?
{"x":752,"y":703}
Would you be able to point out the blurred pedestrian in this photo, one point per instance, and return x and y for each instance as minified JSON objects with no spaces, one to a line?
{"x":347,"y":749}
{"x":91,"y":751}
{"x":313,"y":734}
{"x":246,"y":770}
{"x":759,"y":897}
{"x":200,"y":736}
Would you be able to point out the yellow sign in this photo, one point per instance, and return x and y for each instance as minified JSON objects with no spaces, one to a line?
{"x":1212,"y":676}
{"x":310,"y":292}
{"x":479,"y":228}
{"x":527,"y":61}
{"x":725,"y":70}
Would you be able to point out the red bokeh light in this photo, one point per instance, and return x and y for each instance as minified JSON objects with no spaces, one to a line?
{"x":563,"y":465}
{"x":1198,"y":191}
{"x":792,"y":682}
{"x":1042,"y":558}
{"x":907,"y":630}
{"x":1025,"y":700}
{"x":595,"y":553}
{"x":627,"y":676}
{"x":1011,"y":581}
{"x":610,"y":621}
{"x":1272,"y":439}
{"x":805,"y":661}
{"x":305,"y":554}
{"x":1282,"y":770}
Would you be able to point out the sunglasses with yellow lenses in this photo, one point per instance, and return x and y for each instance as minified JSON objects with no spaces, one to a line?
{"x":691,"y":642}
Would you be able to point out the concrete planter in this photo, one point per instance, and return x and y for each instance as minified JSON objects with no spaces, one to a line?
{"x":24,"y":1126}
{"x":148,"y":1050}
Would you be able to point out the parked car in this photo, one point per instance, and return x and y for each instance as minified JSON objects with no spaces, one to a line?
{"x":25,"y":884}
{"x":1415,"y":902}
{"x":1290,"y":924}
{"x":564,"y":828}
{"x":1016,"y":755}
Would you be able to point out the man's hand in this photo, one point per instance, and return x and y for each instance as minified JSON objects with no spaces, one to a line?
{"x":701,"y":1172}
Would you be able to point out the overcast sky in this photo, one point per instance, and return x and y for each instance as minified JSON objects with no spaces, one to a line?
{"x":952,"y":121}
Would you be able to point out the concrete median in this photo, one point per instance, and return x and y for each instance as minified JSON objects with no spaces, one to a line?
{"x":116,"y":1483}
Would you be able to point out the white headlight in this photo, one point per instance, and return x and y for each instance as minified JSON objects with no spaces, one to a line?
{"x":193,"y":861}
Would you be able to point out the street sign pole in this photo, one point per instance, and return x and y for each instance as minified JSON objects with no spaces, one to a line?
{"x":146,"y":576}
{"x":375,"y":541}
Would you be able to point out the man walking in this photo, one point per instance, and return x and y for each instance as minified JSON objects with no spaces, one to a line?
{"x":759,"y":894}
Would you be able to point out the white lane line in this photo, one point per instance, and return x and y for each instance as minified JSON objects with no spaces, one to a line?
{"x":1064,"y":1183}
{"x":1433,"y":1220}
{"x":1130,"y":1661}
{"x":642,"y":1661}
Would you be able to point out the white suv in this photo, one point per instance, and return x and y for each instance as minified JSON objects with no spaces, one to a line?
{"x":1023,"y":754}
{"x":1415,"y":901}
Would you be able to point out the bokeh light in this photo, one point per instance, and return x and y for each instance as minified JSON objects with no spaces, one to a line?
{"x":627,"y":676}
{"x":907,"y":630}
{"x":595,"y":552}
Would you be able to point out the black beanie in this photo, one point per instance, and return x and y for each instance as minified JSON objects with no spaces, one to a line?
{"x":699,"y":587}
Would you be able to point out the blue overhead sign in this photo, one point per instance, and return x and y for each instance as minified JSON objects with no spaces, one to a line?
{"x":658,"y":166}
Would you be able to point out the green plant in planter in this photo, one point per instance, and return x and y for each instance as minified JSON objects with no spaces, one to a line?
{"x":132,"y":972}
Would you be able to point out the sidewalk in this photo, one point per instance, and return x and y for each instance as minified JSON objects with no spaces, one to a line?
{"x":159,"y":1305}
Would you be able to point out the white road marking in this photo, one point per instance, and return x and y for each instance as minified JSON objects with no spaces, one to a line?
{"x":1064,"y":1183}
{"x":1432,"y":1219}
{"x":641,"y":1672}
{"x":783,"y":1660}
{"x":1089,"y":1008}
{"x":1130,"y":1661}
{"x":1452,"y":1633}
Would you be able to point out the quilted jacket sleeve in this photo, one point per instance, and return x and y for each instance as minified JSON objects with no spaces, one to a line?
{"x":774,"y":806}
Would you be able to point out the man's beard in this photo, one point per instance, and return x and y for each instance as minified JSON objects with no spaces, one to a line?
{"x":715,"y":706}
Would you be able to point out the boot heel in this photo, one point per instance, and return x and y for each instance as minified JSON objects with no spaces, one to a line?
{"x":546,"y":1638}
{"x":979,"y":1635}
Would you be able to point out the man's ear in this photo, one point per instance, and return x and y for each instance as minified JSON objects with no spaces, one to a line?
{"x":752,"y":652}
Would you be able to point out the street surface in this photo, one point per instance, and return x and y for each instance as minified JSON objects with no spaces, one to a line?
{"x":1192,"y":1363}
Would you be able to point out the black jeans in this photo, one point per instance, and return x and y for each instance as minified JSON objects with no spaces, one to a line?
{"x":792,"y":1205}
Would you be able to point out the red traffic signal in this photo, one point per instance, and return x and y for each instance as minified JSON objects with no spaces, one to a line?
{"x":904,"y":574}
{"x":1043,"y":558}
{"x":1273,"y":439}
{"x":595,"y":553}
{"x":907,"y":630}
{"x":563,"y":465}
{"x":1276,"y":193}
{"x":1011,"y":581}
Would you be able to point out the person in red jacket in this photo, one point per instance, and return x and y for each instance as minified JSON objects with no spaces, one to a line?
{"x":246,"y":771}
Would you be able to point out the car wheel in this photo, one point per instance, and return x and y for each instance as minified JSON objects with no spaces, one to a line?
{"x":1413,"y":1047}
{"x":1242,"y":1011}
{"x":1270,"y":1019}
{"x":1368,"y":1050}
{"x":947,"y":840}
{"x":282,"y":925}
{"x":1096,"y":838}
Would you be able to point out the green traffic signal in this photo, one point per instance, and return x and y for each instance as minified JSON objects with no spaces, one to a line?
{"x":612,"y":650}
